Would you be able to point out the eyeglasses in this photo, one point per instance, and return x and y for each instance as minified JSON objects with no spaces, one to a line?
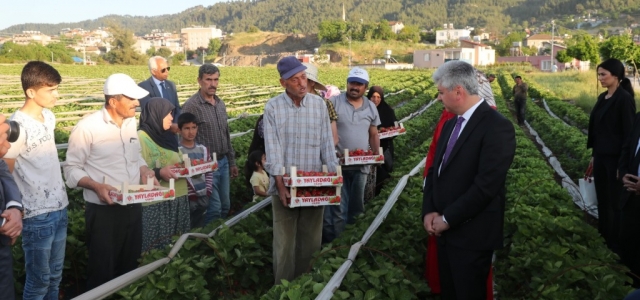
{"x":165,"y":69}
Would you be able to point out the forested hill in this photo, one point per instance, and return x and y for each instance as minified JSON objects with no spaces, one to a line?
{"x":303,"y":16}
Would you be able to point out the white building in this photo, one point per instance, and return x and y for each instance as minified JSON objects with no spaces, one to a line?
{"x":476,"y":54}
{"x":27,"y":37}
{"x":194,"y":37}
{"x":396,"y":26}
{"x":449,"y":34}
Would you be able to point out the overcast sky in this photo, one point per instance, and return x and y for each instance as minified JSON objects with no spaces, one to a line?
{"x":13,"y":12}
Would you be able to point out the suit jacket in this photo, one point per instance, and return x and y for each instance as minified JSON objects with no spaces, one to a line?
{"x":8,"y":192}
{"x":470,"y":189}
{"x":610,"y":122}
{"x":629,"y":159}
{"x":153,"y":90}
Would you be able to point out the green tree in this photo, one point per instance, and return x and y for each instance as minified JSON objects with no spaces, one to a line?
{"x":584,"y":47}
{"x":164,"y":52}
{"x":383,"y":31}
{"x":563,"y":57}
{"x":214,"y":47}
{"x":253,"y":29}
{"x":428,"y":37}
{"x":151,"y":51}
{"x":621,"y":47}
{"x":409,"y":33}
{"x":331,"y":31}
{"x":178,"y":58}
{"x":531,"y":51}
{"x":122,"y":52}
{"x":504,"y":48}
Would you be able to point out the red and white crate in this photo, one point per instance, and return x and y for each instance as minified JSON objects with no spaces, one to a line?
{"x":135,"y":193}
{"x":392,"y":131}
{"x":348,"y":160}
{"x":190,"y":170}
{"x":332,"y":198}
{"x":298,"y":178}
{"x":317,"y":189}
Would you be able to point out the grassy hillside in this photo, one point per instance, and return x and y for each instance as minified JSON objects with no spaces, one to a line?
{"x":304,"y":16}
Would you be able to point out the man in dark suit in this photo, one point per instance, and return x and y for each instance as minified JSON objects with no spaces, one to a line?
{"x":629,"y":169}
{"x":10,"y":217}
{"x":159,"y":86}
{"x":464,"y":192}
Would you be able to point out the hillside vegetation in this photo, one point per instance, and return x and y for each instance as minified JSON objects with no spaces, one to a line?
{"x":304,"y":16}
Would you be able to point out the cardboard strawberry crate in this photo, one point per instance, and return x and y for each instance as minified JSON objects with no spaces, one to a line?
{"x":306,"y":178}
{"x":314,"y":196}
{"x":193,"y":167}
{"x":135,"y":193}
{"x":387,"y":132}
{"x":361,"y":157}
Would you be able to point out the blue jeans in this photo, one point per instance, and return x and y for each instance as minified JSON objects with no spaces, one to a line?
{"x":351,"y":204}
{"x":352,"y":194}
{"x":219,"y":202}
{"x":43,"y":239}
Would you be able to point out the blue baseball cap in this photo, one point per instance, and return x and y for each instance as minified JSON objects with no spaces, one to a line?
{"x":290,"y":66}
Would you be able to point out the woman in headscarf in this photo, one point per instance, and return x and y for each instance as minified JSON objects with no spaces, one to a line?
{"x":387,"y":119}
{"x":160,"y":221}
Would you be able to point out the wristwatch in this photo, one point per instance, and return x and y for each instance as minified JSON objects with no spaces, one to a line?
{"x":20,"y":208}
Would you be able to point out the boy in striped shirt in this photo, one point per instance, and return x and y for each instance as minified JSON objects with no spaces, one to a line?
{"x":200,"y":186}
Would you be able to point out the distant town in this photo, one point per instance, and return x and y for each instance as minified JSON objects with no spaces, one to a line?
{"x":445,"y":43}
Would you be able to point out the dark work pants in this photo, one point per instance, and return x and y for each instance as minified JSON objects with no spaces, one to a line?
{"x":114,"y":239}
{"x":608,"y":189}
{"x":6,"y":271}
{"x":521,"y":105}
{"x":630,"y":237}
{"x":463,"y":272}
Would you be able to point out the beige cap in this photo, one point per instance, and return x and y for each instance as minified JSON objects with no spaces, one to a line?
{"x":312,"y":74}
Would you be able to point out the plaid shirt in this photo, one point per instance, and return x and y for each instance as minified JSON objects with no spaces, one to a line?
{"x":297,"y":136}
{"x":333,"y":116}
{"x":213,"y":129}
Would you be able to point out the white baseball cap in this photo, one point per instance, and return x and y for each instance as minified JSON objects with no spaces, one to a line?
{"x":358,"y":75}
{"x":122,"y":84}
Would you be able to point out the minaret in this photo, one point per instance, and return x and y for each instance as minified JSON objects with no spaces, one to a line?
{"x":344,"y":15}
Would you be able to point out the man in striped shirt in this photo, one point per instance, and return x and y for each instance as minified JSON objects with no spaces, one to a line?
{"x":297,"y":133}
{"x":213,"y":133}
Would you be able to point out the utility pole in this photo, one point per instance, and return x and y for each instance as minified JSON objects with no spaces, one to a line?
{"x":553,"y":26}
{"x":349,"y":49}
{"x":84,"y":55}
{"x":203,"y":56}
{"x":51,"y":56}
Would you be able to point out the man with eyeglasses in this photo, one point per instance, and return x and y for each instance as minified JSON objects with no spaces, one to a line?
{"x":159,"y":86}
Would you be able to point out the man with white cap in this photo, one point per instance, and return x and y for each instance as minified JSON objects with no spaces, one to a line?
{"x":296,"y":133}
{"x":105,"y":145}
{"x":358,"y":122}
{"x":313,"y":85}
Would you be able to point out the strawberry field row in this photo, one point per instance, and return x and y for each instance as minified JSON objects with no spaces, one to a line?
{"x":571,"y":114}
{"x":568,"y":143}
{"x":550,"y":252}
